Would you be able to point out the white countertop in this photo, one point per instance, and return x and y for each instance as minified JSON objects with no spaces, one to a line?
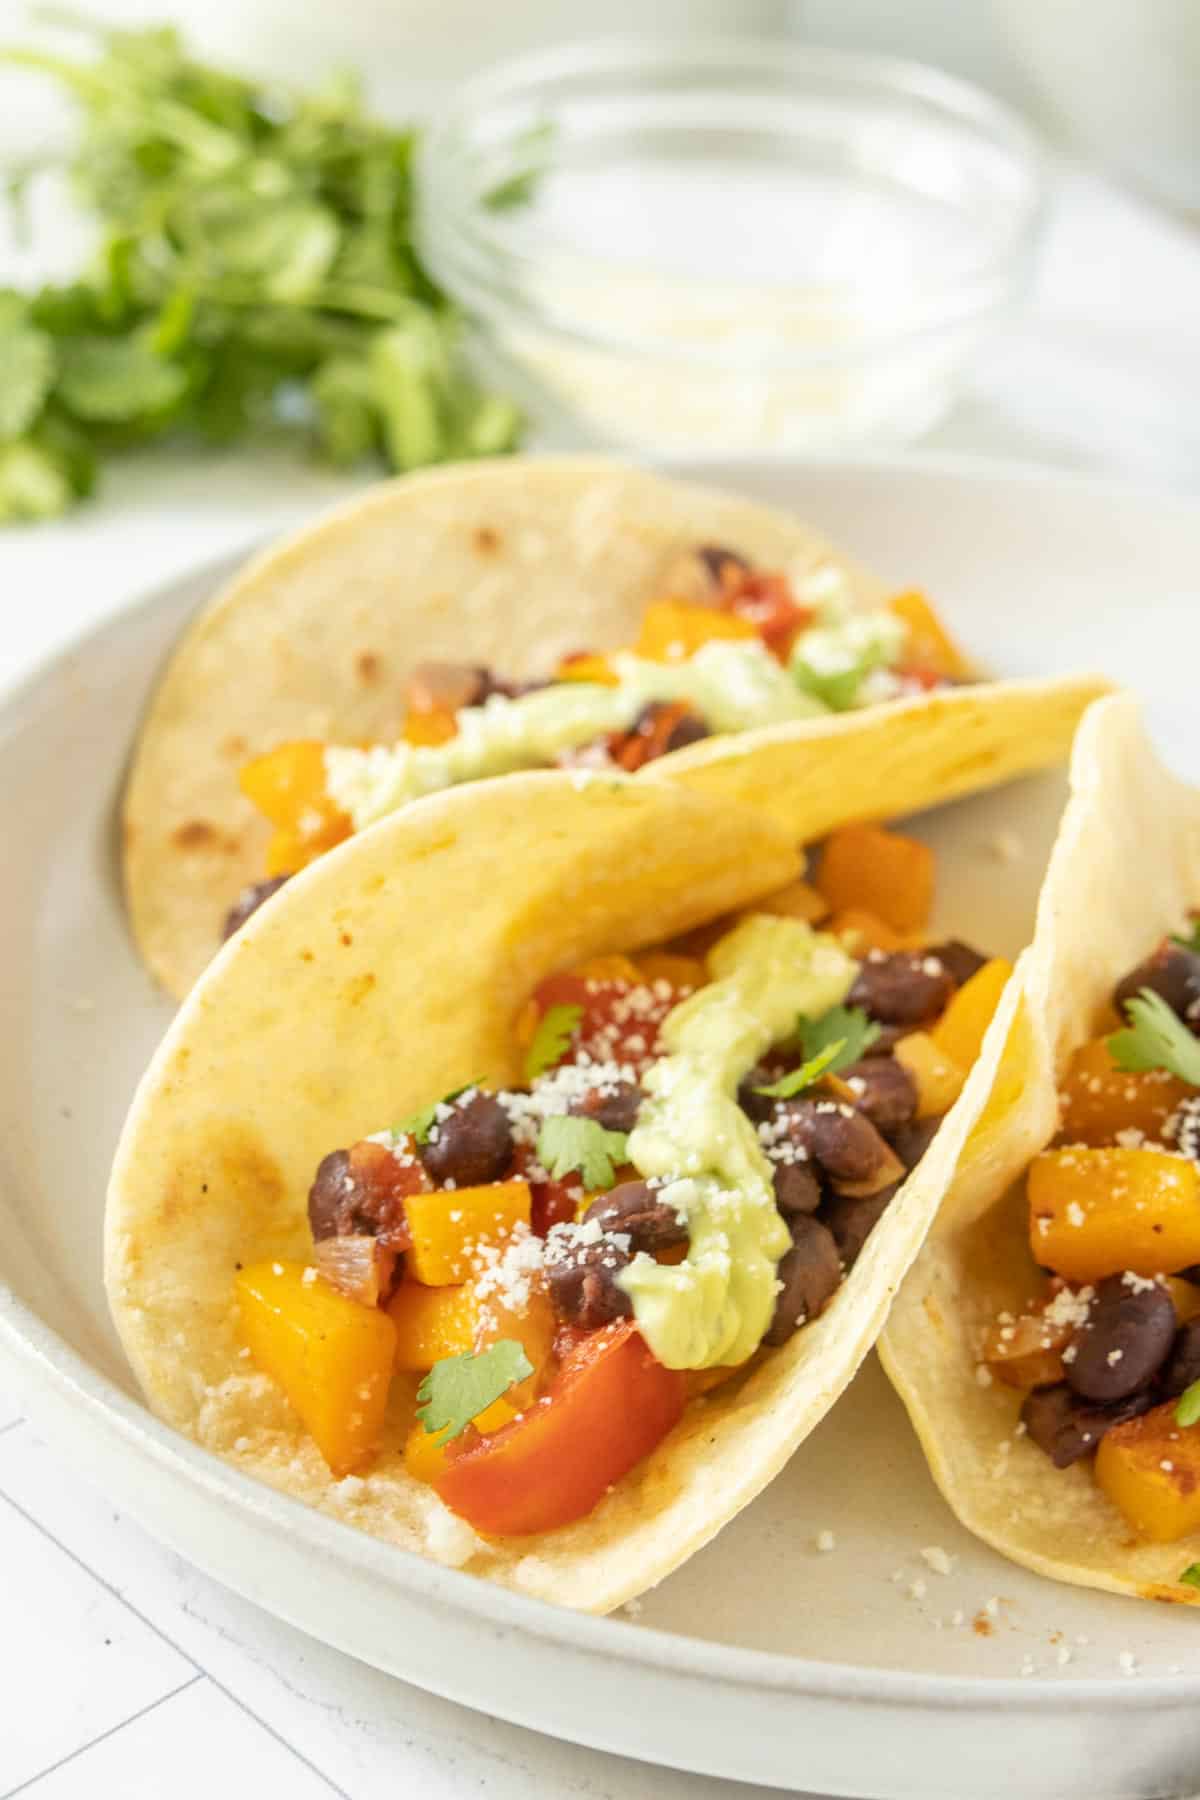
{"x":124,"y":1672}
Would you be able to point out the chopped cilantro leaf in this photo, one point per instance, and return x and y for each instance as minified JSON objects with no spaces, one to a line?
{"x":1191,"y":1575}
{"x":1156,"y":1038}
{"x":847,"y":1025}
{"x":419,"y":1124}
{"x":551,"y":1039}
{"x":1187,"y":1409}
{"x":457,"y":1389}
{"x":1192,"y":940}
{"x":806,"y":1074}
{"x":566,"y":1144}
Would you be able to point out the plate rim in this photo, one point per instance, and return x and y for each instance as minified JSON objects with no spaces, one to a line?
{"x":29,"y":1343}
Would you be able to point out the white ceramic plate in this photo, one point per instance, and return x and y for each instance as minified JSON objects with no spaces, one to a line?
{"x":763,"y":1659}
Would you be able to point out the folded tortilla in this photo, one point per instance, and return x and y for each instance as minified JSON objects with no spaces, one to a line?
{"x":511,"y":563}
{"x":392,"y":969}
{"x":1124,"y":872}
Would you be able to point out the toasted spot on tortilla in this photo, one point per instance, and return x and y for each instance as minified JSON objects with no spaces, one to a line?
{"x":235,"y":745}
{"x":195,"y":834}
{"x":487,"y":540}
{"x":307,"y":956}
{"x":356,"y":991}
{"x":368,"y":667}
{"x":346,"y":938}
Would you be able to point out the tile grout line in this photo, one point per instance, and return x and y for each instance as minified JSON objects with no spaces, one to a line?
{"x":168,"y":1640}
{"x":23,"y":1787}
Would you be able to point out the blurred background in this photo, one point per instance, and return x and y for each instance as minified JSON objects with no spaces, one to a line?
{"x":744,"y":227}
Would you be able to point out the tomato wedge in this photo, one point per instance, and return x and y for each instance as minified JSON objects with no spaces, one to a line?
{"x":610,"y":1404}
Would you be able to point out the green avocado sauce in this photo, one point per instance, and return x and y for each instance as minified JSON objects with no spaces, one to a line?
{"x":733,"y":685}
{"x":715,"y":1306}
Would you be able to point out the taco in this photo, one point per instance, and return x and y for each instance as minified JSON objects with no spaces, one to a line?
{"x":455,"y":1211}
{"x":1047,"y":1341}
{"x":464,"y":623}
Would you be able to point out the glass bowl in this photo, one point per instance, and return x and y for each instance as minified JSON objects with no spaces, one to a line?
{"x":728,"y":244}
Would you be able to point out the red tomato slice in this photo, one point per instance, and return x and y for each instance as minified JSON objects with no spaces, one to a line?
{"x":610,"y":1404}
{"x":621,"y":1019}
{"x":766,"y":602}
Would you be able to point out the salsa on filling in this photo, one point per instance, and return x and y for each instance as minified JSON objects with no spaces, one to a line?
{"x":731,"y":647}
{"x":706,"y":1135}
{"x":1109,"y":1352}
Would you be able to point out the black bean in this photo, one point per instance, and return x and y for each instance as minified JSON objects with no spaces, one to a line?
{"x":797,"y":1189}
{"x":1125,"y":1341}
{"x":903,"y":987}
{"x":614,"y":1106}
{"x":583,"y":1284}
{"x":327,"y":1197}
{"x":883,"y":1090}
{"x":811,"y":1273}
{"x":885,"y":1043}
{"x":910,"y":1142}
{"x":715,"y":556}
{"x":959,"y":959}
{"x":1067,"y":1428}
{"x":1172,"y":972}
{"x":756,"y":1106}
{"x":473,"y":1146}
{"x":689,"y":729}
{"x":852,"y":1221}
{"x":843,"y":1141}
{"x":249,"y":901}
{"x":1183,"y":1365}
{"x":638,"y":1210}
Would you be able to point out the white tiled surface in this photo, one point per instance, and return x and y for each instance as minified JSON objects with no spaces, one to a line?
{"x":125,"y":1674}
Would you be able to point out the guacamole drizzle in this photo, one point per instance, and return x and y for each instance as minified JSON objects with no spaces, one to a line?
{"x":715,"y":1306}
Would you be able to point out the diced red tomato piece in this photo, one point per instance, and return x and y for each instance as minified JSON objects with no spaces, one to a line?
{"x":610,"y":1404}
{"x":388,"y":1181}
{"x":766,"y":602}
{"x":621,"y":1018}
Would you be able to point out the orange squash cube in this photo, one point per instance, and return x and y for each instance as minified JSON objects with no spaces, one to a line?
{"x":431,"y":1322}
{"x":427,"y":1460}
{"x":938,"y":1078}
{"x":798,"y":900}
{"x":587,"y":667}
{"x":613,"y":967}
{"x":672,"y":630}
{"x":448,"y":1225}
{"x":1150,"y":1469}
{"x":1026,"y":1352}
{"x":1094,"y":1213}
{"x":677,"y":971}
{"x":530,"y":1322}
{"x":437,"y":726}
{"x":930,"y":645}
{"x":332,"y":1357}
{"x":1098,"y":1100}
{"x":286,"y":783}
{"x":881,"y":871}
{"x":960,"y":1030}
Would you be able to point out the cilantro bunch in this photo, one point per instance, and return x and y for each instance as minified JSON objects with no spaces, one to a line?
{"x":255,"y":274}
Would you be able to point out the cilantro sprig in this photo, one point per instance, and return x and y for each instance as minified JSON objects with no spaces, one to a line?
{"x":550,"y":1041}
{"x":255,"y":277}
{"x":1155,"y":1038}
{"x":419,"y":1124}
{"x":566,"y":1144}
{"x":457,"y":1389}
{"x":829,"y":1044}
{"x":1192,"y":940}
{"x":1191,"y":1575}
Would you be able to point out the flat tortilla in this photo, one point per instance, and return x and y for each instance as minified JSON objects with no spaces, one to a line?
{"x":394,"y":969}
{"x":511,"y":563}
{"x":1125,"y":871}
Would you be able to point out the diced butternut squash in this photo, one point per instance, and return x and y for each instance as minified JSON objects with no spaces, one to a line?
{"x":677,"y":971}
{"x":526,"y":1318}
{"x":938,"y":1077}
{"x":886,"y":873}
{"x":930,"y":646}
{"x":332,"y":1357}
{"x":431,"y":1322}
{"x":1098,"y":1100}
{"x":861,"y":930}
{"x":586,"y":668}
{"x":288,"y":787}
{"x":437,"y":726}
{"x":427,"y":1460}
{"x":1185,"y":1298}
{"x":288,"y":851}
{"x":607,"y":968}
{"x":1098,"y":1212}
{"x":961,"y":1028}
{"x":798,"y":900}
{"x":1026,"y":1351}
{"x":1150,"y":1469}
{"x":672,"y":630}
{"x":448,"y":1225}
